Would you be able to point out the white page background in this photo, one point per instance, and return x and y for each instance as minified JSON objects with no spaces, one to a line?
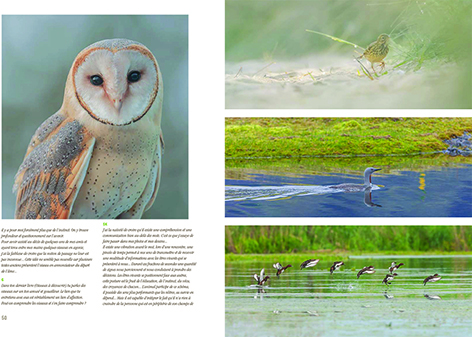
{"x":206,"y":210}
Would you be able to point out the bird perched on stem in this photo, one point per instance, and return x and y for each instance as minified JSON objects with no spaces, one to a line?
{"x":377,"y":51}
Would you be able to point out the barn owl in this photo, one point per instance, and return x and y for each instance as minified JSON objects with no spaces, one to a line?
{"x":99,"y":156}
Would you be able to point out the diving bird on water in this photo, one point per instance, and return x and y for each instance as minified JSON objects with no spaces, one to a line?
{"x":358,"y":187}
{"x":280,"y":269}
{"x":309,"y":263}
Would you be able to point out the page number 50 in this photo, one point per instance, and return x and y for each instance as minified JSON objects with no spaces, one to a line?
{"x":4,"y":317}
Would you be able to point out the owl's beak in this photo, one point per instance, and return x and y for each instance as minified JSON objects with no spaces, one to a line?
{"x":117,"y":103}
{"x":116,"y":97}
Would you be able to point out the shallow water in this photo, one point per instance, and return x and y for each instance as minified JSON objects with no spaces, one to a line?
{"x":440,"y":192}
{"x":311,"y":302}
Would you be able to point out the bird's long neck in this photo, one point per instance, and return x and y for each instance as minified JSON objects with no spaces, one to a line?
{"x":367,"y":179}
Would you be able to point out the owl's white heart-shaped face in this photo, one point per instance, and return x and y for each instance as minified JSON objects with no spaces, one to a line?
{"x":116,"y":82}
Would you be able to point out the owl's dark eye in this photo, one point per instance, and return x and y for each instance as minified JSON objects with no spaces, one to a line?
{"x":134,"y":76}
{"x":96,"y":80}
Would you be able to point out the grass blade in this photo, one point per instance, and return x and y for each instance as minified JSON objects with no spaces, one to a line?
{"x":364,"y":70}
{"x":335,"y":39}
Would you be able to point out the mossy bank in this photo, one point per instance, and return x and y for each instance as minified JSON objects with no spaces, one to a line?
{"x":247,"y":138}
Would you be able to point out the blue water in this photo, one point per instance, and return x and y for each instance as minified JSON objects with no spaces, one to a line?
{"x":445,"y":192}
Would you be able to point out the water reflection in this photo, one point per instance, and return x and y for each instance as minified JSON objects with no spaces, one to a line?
{"x":260,"y":293}
{"x":265,"y":193}
{"x":312,"y":313}
{"x":387,"y":295}
{"x":432,"y":297}
{"x":402,"y":193}
{"x":368,"y":198}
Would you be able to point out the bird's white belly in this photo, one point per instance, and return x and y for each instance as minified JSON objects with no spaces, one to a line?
{"x":116,"y":178}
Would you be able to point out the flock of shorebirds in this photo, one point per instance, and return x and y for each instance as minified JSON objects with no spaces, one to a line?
{"x":261,"y":279}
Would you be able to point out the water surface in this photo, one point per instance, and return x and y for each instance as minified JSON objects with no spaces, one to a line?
{"x":439,"y":192}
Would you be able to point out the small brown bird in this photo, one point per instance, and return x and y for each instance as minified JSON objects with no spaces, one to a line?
{"x":377,"y":51}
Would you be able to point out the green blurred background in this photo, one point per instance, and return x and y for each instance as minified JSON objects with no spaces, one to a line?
{"x":329,"y":239}
{"x":429,"y":38}
{"x":258,"y":29}
{"x":38,"y":52}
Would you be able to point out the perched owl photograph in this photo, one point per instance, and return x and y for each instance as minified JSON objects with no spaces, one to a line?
{"x":89,"y":132}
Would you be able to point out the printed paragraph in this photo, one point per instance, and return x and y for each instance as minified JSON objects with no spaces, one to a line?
{"x":148,"y":266}
{"x":43,"y":248}
{"x":42,"y":294}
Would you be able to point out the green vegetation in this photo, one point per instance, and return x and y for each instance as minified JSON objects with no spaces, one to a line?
{"x":439,"y":30}
{"x":335,"y":255}
{"x":433,"y":30}
{"x":257,"y":29}
{"x":238,"y":168}
{"x":434,"y":36}
{"x":427,"y":30}
{"x":345,"y":240}
{"x":299,"y":137}
{"x":230,"y":257}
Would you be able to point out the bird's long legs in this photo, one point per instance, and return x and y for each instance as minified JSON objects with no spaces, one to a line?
{"x":382,"y":66}
{"x":373,"y":69}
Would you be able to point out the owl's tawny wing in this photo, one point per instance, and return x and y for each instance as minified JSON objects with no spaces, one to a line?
{"x":158,"y":158}
{"x":146,"y":199}
{"x":53,"y":170}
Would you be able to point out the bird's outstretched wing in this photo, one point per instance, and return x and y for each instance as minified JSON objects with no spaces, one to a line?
{"x":53,"y":170}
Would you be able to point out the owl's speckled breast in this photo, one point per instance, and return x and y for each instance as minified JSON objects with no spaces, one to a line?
{"x":117,"y":176}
